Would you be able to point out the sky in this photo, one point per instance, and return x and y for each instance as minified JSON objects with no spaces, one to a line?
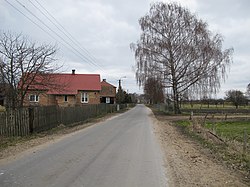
{"x":94,"y":36}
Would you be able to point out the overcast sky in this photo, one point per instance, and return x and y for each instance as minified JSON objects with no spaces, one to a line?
{"x":105,"y":28}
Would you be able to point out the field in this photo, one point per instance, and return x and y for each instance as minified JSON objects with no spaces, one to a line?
{"x":231,"y":130}
{"x":206,"y":136}
{"x":222,"y":129}
{"x":228,"y":139}
{"x":211,"y":106}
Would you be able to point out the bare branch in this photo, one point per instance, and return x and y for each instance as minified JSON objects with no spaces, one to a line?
{"x":178,"y":48}
{"x":21,"y":61}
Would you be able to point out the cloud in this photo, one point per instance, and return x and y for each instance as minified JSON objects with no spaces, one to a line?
{"x":106,"y":28}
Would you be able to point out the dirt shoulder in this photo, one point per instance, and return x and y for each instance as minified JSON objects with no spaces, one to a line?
{"x":187,"y":162}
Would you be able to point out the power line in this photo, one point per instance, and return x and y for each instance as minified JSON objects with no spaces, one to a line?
{"x":29,"y":18}
{"x":52,"y":30}
{"x":71,"y":48}
{"x":63,"y":30}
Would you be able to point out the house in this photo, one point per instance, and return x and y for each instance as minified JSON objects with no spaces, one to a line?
{"x":64,"y":90}
{"x":108,"y":93}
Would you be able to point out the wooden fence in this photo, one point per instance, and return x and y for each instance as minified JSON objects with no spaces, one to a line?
{"x":14,"y":122}
{"x":24,"y":121}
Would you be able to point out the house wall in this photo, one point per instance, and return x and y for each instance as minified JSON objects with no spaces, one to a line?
{"x":61,"y":102}
{"x":73,"y":100}
{"x":108,"y":91}
{"x":44,"y":99}
{"x":94,"y":97}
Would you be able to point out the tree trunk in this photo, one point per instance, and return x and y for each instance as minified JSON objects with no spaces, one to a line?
{"x":176,"y":100}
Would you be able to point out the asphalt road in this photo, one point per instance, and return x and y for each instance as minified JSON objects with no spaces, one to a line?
{"x":120,"y":152}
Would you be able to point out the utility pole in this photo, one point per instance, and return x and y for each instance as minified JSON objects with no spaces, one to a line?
{"x":120,"y":90}
{"x":120,"y":87}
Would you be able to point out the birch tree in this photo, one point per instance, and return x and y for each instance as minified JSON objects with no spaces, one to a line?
{"x":248,"y":90}
{"x":153,"y":91}
{"x":178,"y":47}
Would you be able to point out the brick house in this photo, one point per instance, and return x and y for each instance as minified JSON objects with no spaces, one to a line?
{"x":108,"y":93}
{"x":65,"y":90}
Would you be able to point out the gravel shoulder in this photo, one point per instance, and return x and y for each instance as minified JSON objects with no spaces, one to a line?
{"x":188,"y":163}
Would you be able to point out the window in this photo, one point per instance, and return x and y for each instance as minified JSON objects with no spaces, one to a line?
{"x":65,"y":98}
{"x":85,"y":98}
{"x":34,"y":98}
{"x":107,"y":99}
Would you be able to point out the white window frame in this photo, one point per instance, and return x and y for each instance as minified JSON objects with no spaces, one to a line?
{"x":107,"y":100}
{"x":84,"y":97}
{"x":34,"y":98}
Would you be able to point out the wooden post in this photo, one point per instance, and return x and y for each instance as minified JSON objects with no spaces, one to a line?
{"x":213,"y":127}
{"x":244,"y":142}
{"x":191,"y":115}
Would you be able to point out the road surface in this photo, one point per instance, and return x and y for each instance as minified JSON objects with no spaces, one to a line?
{"x":120,"y":152}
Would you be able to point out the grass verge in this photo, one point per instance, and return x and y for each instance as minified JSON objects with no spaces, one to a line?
{"x":221,"y":151}
{"x":229,"y":152}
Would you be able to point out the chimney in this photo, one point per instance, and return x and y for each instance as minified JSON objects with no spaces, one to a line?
{"x":73,"y":71}
{"x":104,"y":80}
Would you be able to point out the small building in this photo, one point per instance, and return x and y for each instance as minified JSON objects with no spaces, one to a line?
{"x":64,"y":90}
{"x":108,"y":93}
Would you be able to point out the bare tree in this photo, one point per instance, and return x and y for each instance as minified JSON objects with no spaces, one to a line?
{"x":178,"y":47}
{"x":236,"y":97}
{"x":21,"y":63}
{"x":153,"y":90}
{"x":248,"y":90}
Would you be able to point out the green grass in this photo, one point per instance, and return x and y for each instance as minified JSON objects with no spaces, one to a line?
{"x":212,"y":106}
{"x":183,"y":124}
{"x":231,"y":130}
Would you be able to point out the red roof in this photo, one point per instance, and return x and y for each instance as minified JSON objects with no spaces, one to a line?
{"x":69,"y":84}
{"x":104,"y":83}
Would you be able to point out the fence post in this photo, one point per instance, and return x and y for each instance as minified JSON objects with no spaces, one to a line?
{"x":191,"y":115}
{"x":31,"y":120}
{"x":244,"y":142}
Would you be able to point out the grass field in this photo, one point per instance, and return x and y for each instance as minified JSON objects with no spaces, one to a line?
{"x":212,"y":106}
{"x":231,"y":130}
{"x":228,"y":130}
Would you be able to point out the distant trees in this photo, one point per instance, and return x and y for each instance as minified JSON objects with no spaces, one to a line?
{"x":236,"y":97}
{"x":20,"y":62}
{"x":153,"y":90}
{"x":123,"y":97}
{"x":178,"y":48}
{"x":248,"y":90}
